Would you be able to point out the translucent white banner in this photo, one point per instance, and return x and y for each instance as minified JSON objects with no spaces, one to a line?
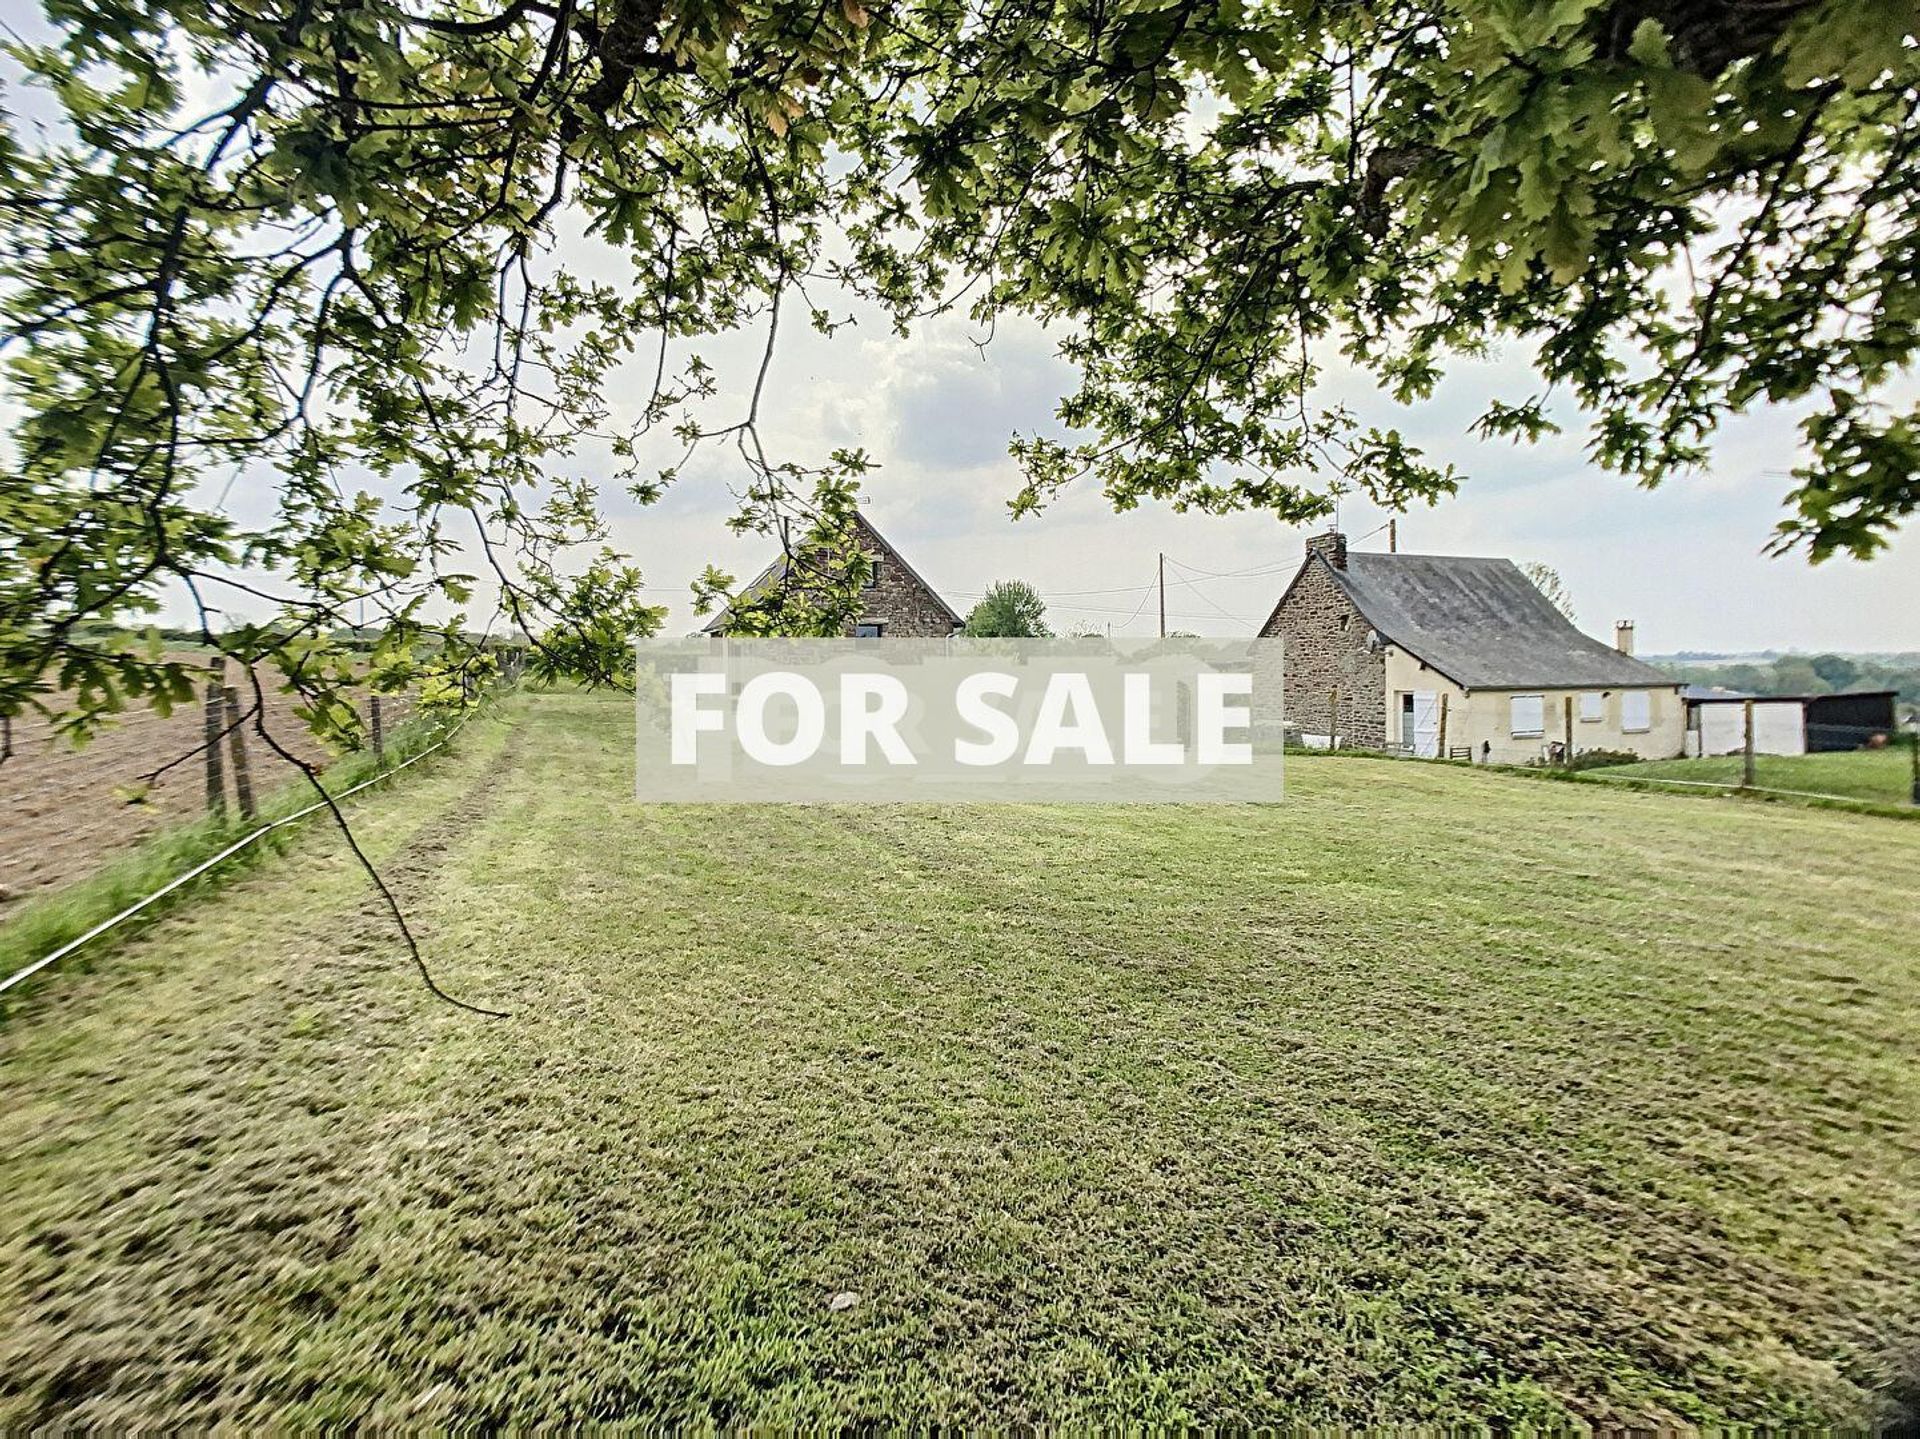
{"x":904,"y":721}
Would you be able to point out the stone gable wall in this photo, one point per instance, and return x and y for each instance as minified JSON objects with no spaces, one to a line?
{"x":1322,"y":655}
{"x":908,"y":608}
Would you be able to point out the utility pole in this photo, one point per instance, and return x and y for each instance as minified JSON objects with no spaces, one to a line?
{"x":1393,"y":535}
{"x":1163,"y":596}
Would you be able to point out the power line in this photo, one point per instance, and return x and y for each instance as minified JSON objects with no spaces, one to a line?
{"x":1131,"y":615}
{"x":1276,"y":567}
{"x":1196,"y":589}
{"x":1068,"y":594}
{"x":1146,"y":594}
{"x":1056,"y":599}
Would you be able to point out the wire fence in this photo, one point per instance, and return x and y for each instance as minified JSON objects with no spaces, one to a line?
{"x":1772,"y":751}
{"x":66,"y":810}
{"x":1868,"y":764}
{"x":52,"y":957}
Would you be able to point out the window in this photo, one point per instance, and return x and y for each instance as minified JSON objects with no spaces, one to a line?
{"x":1528,"y":713}
{"x":873,"y":573}
{"x":869,"y":630}
{"x":1636,"y":711}
{"x":1593,"y":706}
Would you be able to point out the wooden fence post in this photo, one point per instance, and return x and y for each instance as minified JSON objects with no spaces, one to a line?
{"x":237,"y":744}
{"x":1440,"y":741}
{"x":1746,"y":767}
{"x":215,"y":710}
{"x":373,"y":721}
{"x":1566,"y":726}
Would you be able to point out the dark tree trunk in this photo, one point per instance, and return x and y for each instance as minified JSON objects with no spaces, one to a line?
{"x":1706,"y":36}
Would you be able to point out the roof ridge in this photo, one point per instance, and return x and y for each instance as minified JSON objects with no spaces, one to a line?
{"x":1421,"y":555}
{"x":778,"y":566}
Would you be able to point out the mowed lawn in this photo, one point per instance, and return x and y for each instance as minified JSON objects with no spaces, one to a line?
{"x":1429,"y":1095}
{"x":1884,"y":776}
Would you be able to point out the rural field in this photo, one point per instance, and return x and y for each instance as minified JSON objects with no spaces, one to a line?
{"x":1426,"y":1096}
{"x":67,"y":810}
{"x":1884,"y":776}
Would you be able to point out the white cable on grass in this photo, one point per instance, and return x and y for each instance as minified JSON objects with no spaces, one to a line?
{"x":199,"y":869}
{"x":1730,"y":787}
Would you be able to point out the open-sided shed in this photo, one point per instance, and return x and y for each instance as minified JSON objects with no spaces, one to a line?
{"x":1787,"y":724}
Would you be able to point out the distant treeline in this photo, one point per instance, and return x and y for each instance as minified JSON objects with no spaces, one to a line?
{"x":352,"y":637}
{"x":1805,"y":674}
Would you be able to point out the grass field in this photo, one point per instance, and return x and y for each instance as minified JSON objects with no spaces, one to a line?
{"x":1429,"y":1095}
{"x":1884,"y":776}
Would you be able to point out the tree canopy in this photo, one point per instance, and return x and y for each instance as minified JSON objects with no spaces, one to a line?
{"x":308,"y":245}
{"x":1546,"y":579}
{"x":1010,"y":609}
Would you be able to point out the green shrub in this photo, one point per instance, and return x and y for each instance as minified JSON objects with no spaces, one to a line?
{"x":1588,"y":759}
{"x":1601,"y":758}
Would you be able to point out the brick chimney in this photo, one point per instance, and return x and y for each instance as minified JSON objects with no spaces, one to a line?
{"x":1333,"y":545}
{"x":1623,"y":636}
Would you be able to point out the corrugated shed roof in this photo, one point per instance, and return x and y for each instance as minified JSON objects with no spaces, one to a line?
{"x":1482,"y":623}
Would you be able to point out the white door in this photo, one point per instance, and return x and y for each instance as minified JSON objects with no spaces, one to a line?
{"x":1426,"y":724}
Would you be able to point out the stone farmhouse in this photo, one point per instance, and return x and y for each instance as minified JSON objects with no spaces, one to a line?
{"x":1439,"y":655}
{"x":898,"y":603}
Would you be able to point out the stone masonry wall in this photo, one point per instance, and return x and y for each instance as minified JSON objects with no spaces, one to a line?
{"x":907,"y":608}
{"x":1326,"y":650}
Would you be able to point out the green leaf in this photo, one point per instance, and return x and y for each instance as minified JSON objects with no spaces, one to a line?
{"x":1649,"y":45}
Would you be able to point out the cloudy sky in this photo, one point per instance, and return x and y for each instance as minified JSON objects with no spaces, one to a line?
{"x":1684,"y":561}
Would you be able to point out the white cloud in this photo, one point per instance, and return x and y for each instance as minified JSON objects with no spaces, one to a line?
{"x":935,"y":413}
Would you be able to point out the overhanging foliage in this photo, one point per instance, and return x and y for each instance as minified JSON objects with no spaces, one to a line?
{"x":339,"y":268}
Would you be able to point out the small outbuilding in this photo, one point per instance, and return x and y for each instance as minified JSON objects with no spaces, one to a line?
{"x":1717,"y":722}
{"x":1787,"y":724}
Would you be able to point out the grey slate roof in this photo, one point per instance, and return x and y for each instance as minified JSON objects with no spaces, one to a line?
{"x":1483,"y":624}
{"x":767,"y":580}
